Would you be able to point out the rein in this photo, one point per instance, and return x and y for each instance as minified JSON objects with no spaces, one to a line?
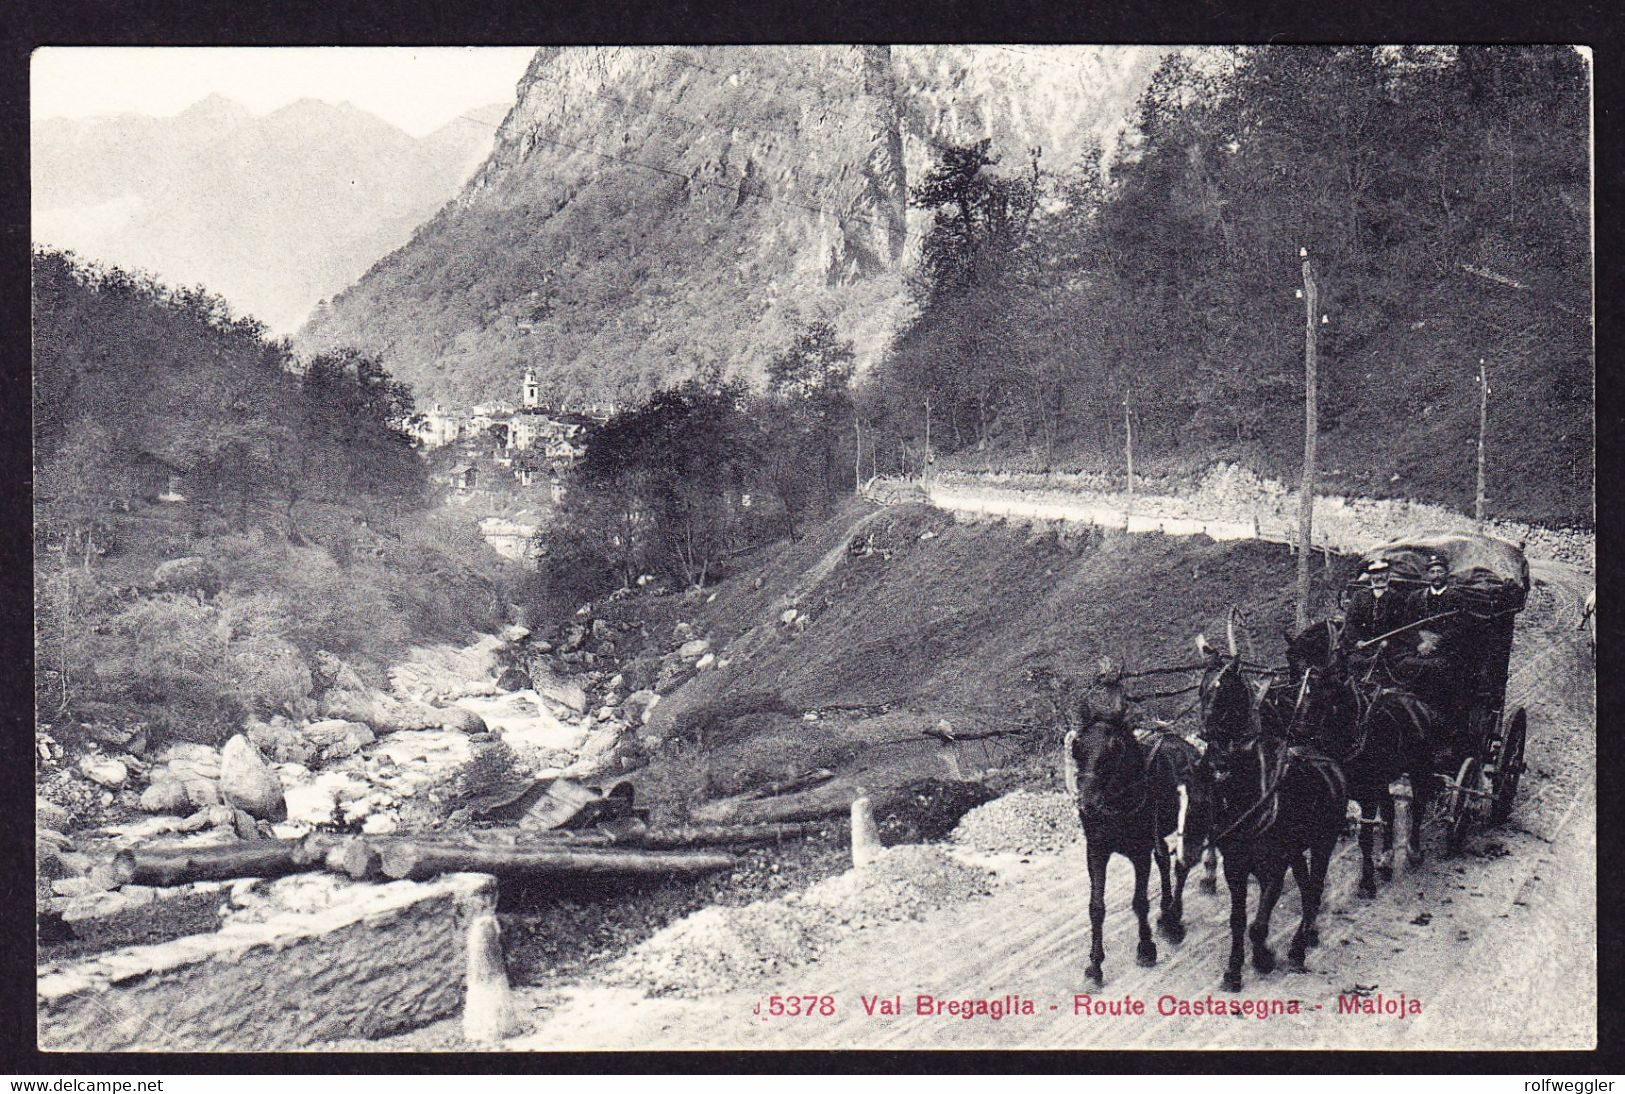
{"x":1269,"y":789}
{"x":1269,"y":794}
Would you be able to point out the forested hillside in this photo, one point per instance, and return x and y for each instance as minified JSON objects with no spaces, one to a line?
{"x":1444,"y":196}
{"x":211,"y":512}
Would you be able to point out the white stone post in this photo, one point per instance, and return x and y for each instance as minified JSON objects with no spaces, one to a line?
{"x":865,"y":836}
{"x":488,"y":1010}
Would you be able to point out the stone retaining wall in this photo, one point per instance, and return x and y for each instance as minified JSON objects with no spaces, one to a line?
{"x":1229,"y":502}
{"x":388,"y":958}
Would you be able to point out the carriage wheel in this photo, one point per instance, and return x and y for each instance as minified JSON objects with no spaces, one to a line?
{"x":1509,"y":766}
{"x":1459,"y":814}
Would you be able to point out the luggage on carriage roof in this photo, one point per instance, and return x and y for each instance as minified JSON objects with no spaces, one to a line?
{"x":1492,"y":573}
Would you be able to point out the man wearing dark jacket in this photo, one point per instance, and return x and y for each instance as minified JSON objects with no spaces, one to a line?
{"x":1373,"y":611}
{"x":1437,"y":598}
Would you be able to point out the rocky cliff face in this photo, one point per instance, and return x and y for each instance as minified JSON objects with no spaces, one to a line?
{"x":649,"y":212}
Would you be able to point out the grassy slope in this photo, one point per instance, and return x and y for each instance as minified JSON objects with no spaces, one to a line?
{"x":950,"y":628}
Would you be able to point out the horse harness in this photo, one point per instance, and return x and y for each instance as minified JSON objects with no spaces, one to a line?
{"x":1143,"y":783}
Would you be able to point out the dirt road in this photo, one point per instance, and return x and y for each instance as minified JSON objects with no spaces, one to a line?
{"x":1497,"y":945}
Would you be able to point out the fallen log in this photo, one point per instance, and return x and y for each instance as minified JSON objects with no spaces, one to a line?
{"x":417,"y":862}
{"x":949,"y":736}
{"x":182,"y":866}
{"x":680,"y":837}
{"x":805,"y":781}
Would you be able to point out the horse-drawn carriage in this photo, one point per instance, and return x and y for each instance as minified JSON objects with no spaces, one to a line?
{"x":1285,"y":750}
{"x":1455,"y":661}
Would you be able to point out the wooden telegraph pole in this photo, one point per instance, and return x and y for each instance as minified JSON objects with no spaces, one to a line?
{"x":857,"y":458}
{"x":925,"y":469}
{"x":1483,"y":422}
{"x":1306,"y":491}
{"x":1128,"y":449}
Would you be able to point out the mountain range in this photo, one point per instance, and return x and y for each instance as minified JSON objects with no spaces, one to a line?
{"x":275,"y":212}
{"x":648,"y":213}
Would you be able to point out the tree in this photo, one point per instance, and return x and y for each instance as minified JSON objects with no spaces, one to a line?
{"x":675,"y":467}
{"x":805,"y":421}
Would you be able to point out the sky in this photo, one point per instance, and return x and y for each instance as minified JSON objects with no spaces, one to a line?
{"x":416,"y":89}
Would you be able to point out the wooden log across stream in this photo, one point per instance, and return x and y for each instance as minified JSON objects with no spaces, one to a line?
{"x":181,"y":866}
{"x":419,"y":861}
{"x":613,"y":849}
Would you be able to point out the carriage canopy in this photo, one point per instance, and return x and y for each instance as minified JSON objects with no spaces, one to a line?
{"x":1493,"y":572}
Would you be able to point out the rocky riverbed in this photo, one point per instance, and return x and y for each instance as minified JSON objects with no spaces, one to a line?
{"x":452,"y":722}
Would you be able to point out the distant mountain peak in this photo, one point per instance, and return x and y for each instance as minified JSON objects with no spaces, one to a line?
{"x":216,"y":105}
{"x":331,"y":188}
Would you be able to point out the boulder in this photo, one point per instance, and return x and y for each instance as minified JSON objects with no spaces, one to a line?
{"x":640,"y":673}
{"x":214,"y":816}
{"x":565,"y":693}
{"x":109,"y":733}
{"x":104,"y":771}
{"x":202,"y":793}
{"x":600,"y":629}
{"x":682,"y":631}
{"x":576,"y":636}
{"x":248,"y":783}
{"x":166,"y":796}
{"x":187,"y":761}
{"x":691,"y":650}
{"x":459,"y":720}
{"x":638,"y":705}
{"x":245,"y":826}
{"x":280,"y":741}
{"x":335,"y":738}
{"x":48,"y":814}
{"x":191,"y":574}
{"x":705,"y":662}
{"x":788,"y":616}
{"x":513,"y":679}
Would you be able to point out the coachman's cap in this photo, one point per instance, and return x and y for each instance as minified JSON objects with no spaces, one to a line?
{"x":1437,"y":563}
{"x":1377,"y":566}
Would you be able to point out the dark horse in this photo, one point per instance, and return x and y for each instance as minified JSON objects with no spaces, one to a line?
{"x":1141,"y":799}
{"x":1376,"y":732}
{"x":1277,"y":805}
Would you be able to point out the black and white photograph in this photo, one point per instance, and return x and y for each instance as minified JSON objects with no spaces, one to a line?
{"x":848,"y":546}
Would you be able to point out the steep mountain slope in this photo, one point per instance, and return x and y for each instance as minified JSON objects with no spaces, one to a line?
{"x":273,"y":212}
{"x":647,"y":212}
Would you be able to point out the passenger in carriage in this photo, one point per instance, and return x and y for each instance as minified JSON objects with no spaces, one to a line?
{"x":1438,"y":598}
{"x":1372,"y":611}
{"x":1430,"y":661}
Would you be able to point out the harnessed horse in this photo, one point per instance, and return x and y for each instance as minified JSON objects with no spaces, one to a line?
{"x":1278,"y":806}
{"x":1376,"y":733}
{"x":1141,"y":800}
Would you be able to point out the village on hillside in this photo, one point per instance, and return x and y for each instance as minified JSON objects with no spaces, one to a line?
{"x":511,"y":459}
